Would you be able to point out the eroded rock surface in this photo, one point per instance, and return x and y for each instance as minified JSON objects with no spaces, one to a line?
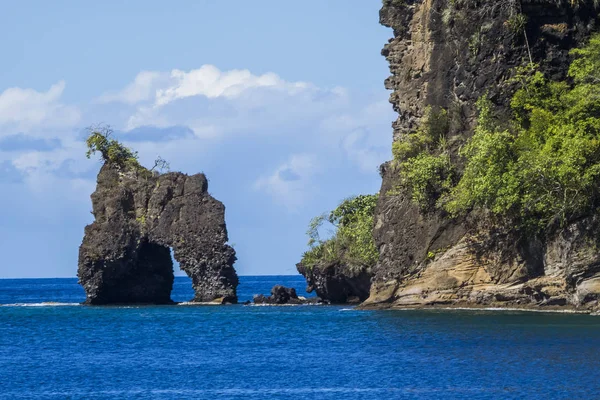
{"x":125,"y":255}
{"x":448,"y":54}
{"x":337,"y":283}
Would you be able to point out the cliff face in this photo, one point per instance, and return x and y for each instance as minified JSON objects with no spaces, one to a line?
{"x":448,"y":54}
{"x":125,"y":256}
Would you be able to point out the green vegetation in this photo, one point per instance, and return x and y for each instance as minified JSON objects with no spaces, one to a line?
{"x":111,"y":150}
{"x":423,"y":161}
{"x":540,"y":168}
{"x":116,"y":153}
{"x":352,"y":243}
{"x":141,"y":220}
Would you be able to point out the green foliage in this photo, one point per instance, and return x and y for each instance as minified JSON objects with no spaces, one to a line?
{"x":429,"y":178}
{"x":516,"y":23}
{"x":475,"y":43}
{"x":433,"y":129}
{"x":141,"y":220}
{"x":111,"y":150}
{"x":543,"y":167}
{"x":353,"y":209}
{"x":586,"y":66}
{"x":425,"y":169}
{"x":352,"y":243}
{"x":116,"y":153}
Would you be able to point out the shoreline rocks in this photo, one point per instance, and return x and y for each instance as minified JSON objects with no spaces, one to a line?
{"x":281,"y":295}
{"x":337,"y":284}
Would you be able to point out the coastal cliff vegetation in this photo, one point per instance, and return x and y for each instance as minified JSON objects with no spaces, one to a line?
{"x":538,"y":168}
{"x":100,"y":140}
{"x":351,"y":243}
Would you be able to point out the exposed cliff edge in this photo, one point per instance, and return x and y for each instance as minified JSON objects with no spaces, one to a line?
{"x":139,"y":216}
{"x":448,"y":54}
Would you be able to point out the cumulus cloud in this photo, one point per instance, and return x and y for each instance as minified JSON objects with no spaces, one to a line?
{"x":209,"y":81}
{"x":165,"y":87}
{"x":35,"y":113}
{"x":291,"y":182}
{"x":364,"y":136}
{"x":141,"y":89}
{"x":214,"y":103}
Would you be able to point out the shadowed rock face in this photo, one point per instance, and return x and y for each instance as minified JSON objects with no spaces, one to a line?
{"x":125,"y":256}
{"x":337,"y":283}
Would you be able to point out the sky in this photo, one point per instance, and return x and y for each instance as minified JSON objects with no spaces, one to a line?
{"x":280,"y":103}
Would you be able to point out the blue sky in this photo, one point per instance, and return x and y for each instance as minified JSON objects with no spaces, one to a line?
{"x":280,"y":103}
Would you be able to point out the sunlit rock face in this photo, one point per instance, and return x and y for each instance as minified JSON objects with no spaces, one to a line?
{"x":448,"y":54}
{"x":125,"y":255}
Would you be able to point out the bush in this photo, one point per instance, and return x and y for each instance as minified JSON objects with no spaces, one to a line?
{"x":432,"y":131}
{"x":352,"y":243}
{"x":111,"y":150}
{"x":429,"y":178}
{"x":425,"y":169}
{"x":114,"y":152}
{"x":543,"y":167}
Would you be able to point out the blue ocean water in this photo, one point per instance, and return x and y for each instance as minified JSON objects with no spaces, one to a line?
{"x":66,"y":351}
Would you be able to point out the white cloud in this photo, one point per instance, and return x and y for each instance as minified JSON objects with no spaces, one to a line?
{"x":358,"y":149}
{"x":210,"y":82}
{"x":162,"y":88}
{"x":141,"y":89}
{"x":35,"y":113}
{"x":213,"y":102}
{"x":291,"y":182}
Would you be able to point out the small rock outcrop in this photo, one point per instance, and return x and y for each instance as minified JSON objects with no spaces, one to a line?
{"x":125,"y":256}
{"x":283,"y":295}
{"x":337,"y":283}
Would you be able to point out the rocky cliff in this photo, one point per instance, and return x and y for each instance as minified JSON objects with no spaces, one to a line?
{"x":447,"y":54}
{"x":125,"y":255}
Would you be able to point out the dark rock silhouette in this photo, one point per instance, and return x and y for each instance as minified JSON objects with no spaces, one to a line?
{"x":337,"y":283}
{"x":125,"y":255}
{"x":282,"y":295}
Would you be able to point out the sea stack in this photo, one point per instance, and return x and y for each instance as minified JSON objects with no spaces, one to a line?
{"x":140,"y":216}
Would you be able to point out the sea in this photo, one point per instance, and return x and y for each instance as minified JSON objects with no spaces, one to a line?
{"x":51,"y":347}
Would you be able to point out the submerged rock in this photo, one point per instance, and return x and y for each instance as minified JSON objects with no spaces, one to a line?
{"x":337,"y":283}
{"x":282,"y":295}
{"x":125,"y":256}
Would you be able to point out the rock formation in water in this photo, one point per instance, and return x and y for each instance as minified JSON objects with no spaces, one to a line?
{"x":448,"y":54}
{"x":337,"y":283}
{"x":282,"y":295}
{"x":125,"y":255}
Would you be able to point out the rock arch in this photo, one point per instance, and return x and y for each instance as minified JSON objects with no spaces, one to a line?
{"x":125,"y":256}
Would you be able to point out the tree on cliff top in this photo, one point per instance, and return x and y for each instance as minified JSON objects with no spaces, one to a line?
{"x":116,"y":153}
{"x":111,"y":150}
{"x":352,"y":243}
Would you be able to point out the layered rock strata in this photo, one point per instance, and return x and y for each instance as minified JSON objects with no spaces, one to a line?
{"x":448,"y":54}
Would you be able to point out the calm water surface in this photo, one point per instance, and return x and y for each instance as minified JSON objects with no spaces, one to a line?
{"x":305,"y":352}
